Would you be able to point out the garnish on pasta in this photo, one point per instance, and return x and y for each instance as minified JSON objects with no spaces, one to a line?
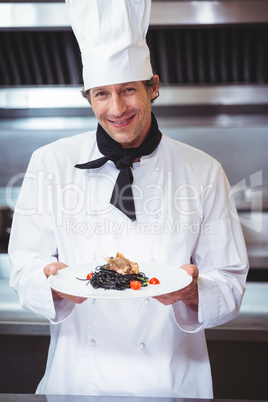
{"x":117,"y":274}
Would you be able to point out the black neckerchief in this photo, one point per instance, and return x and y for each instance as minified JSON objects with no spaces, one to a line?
{"x":122,"y":196}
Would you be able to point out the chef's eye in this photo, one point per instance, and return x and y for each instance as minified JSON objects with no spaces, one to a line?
{"x":129,"y":90}
{"x":100,"y":94}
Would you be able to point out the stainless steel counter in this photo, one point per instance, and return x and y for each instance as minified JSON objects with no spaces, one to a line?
{"x":86,"y":398}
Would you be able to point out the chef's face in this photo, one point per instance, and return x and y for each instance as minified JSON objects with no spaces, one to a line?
{"x":124,"y":110}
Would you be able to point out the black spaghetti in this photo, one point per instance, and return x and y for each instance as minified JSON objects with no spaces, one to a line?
{"x":108,"y":279}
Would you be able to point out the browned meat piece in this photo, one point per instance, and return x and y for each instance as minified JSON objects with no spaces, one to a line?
{"x":122,"y":265}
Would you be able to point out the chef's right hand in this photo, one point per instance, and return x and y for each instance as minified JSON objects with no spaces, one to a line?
{"x":51,"y":269}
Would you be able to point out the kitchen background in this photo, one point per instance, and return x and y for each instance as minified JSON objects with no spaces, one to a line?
{"x":212,"y":59}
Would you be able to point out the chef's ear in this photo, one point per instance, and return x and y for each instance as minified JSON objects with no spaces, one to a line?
{"x":86,"y":95}
{"x":155,"y":88}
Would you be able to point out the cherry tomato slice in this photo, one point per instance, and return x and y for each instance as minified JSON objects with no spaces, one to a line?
{"x":154,"y":281}
{"x":136,"y":285}
{"x":89,"y":276}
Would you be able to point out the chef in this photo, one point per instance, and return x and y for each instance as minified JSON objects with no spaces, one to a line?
{"x":126,"y":187}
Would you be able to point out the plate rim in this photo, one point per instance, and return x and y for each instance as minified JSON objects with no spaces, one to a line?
{"x":106,"y":293}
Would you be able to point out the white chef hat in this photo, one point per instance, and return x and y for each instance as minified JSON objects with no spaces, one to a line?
{"x":111,"y":36}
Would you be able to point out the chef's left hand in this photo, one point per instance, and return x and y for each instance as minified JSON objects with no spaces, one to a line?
{"x":188,"y":295}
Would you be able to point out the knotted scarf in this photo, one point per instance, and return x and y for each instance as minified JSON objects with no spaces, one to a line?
{"x":122,"y":196}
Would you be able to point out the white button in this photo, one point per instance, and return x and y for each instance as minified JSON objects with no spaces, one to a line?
{"x":92,"y":342}
{"x":50,"y":176}
{"x":93,"y":301}
{"x":155,"y":216}
{"x":146,"y":302}
{"x":157,"y":169}
{"x":141,"y":346}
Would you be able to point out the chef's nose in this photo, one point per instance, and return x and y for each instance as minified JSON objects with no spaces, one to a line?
{"x":118,"y":105}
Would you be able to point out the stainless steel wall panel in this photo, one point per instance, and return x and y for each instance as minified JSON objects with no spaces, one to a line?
{"x":164,"y":13}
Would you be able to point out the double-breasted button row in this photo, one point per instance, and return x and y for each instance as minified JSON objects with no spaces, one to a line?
{"x":93,"y":343}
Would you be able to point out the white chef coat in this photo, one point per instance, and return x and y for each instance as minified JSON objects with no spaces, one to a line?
{"x":184,"y":214}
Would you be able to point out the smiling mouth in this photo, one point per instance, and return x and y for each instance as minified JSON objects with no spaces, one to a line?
{"x":121,"y":121}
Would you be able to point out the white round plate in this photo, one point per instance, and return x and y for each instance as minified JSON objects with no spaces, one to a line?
{"x":171,"y":278}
